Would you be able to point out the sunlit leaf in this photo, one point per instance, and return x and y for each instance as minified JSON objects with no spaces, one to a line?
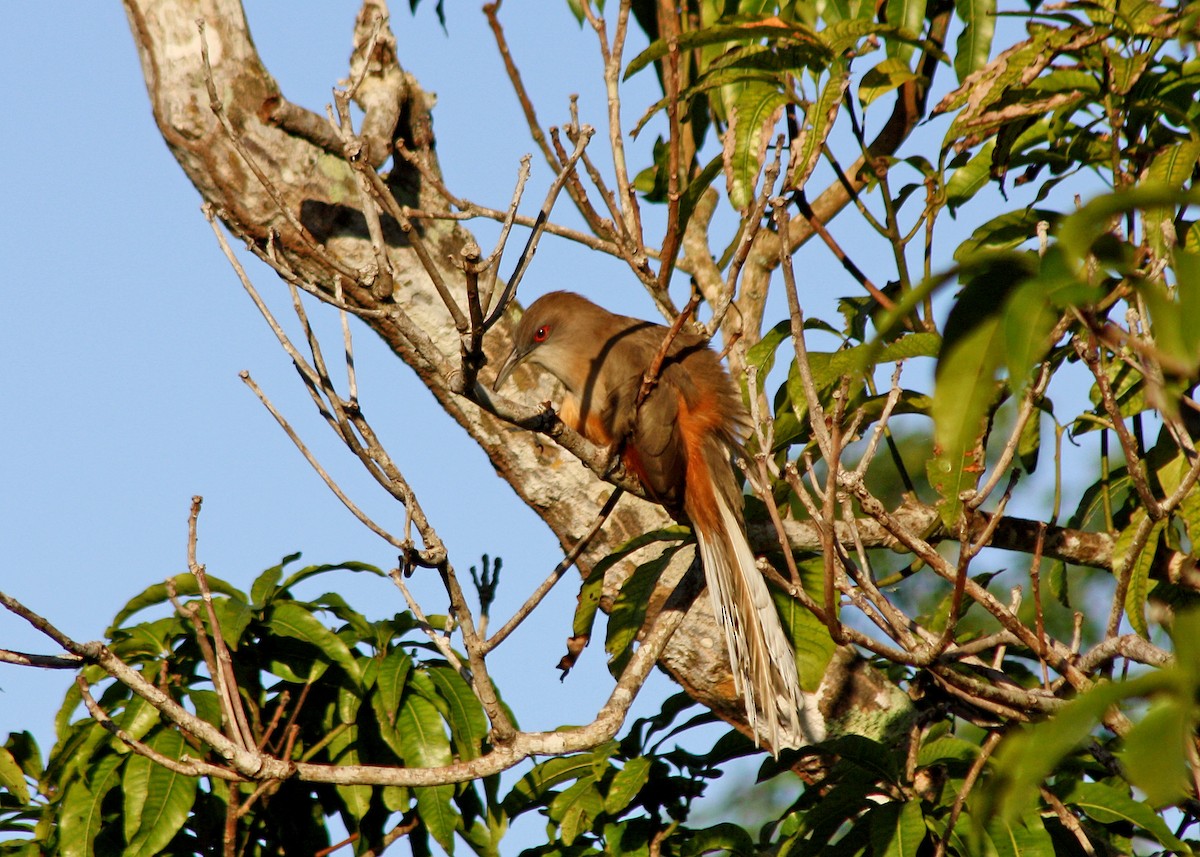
{"x":391,"y":679}
{"x":233,"y":617}
{"x":314,"y":570}
{"x":964,"y":391}
{"x":185,"y":584}
{"x":532,"y":788}
{"x":907,"y":16}
{"x":809,"y":636}
{"x":897,"y":829}
{"x":265,"y":585}
{"x":628,"y":613}
{"x":818,"y":123}
{"x":1107,"y":804}
{"x":576,"y":808}
{"x":1079,"y":231}
{"x":1137,"y":567}
{"x":733,"y":32}
{"x":436,"y":807}
{"x":421,"y":733}
{"x":589,"y":594}
{"x":725,"y":837}
{"x":166,"y":796}
{"x":626,"y":784}
{"x":290,"y":619}
{"x":971,"y":177}
{"x":468,"y":724}
{"x":79,"y":820}
{"x":1155,"y":753}
{"x":889,"y":74}
{"x":1171,"y":169}
{"x":1027,"y":756}
{"x":12,"y":778}
{"x":975,"y":40}
{"x":1026,"y":837}
{"x":752,"y":120}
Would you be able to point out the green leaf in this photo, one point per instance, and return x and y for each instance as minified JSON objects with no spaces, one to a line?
{"x":468,"y":724}
{"x":167,"y":796}
{"x":907,"y":16}
{"x":897,"y":829}
{"x":1155,"y":752}
{"x":1029,"y":444}
{"x":314,"y":570}
{"x":728,"y":837}
{"x":1172,"y":316}
{"x":185,"y":584}
{"x":436,"y":807}
{"x":138,"y":718}
{"x":754,"y":116}
{"x":761,"y":354}
{"x":1172,"y":170}
{"x":343,"y":750}
{"x":24,"y":749}
{"x":576,"y":808}
{"x":104,"y":775}
{"x":947,"y":747}
{"x":1078,"y":232}
{"x":146,"y":639}
{"x":964,"y":391}
{"x":1024,"y":838}
{"x":696,"y":188}
{"x":818,"y":123}
{"x":364,"y":630}
{"x":590,"y":592}
{"x":233,"y":615}
{"x":1138,"y":566}
{"x":291,"y":619}
{"x":809,"y":636}
{"x":1027,"y":756}
{"x":1004,"y":232}
{"x":891,"y":73}
{"x":628,"y":613}
{"x":971,"y":177}
{"x":735,"y":31}
{"x":391,"y":679}
{"x":626,"y":784}
{"x":532,"y":788}
{"x":1028,"y":321}
{"x":829,"y":368}
{"x":78,"y":820}
{"x":1106,"y":805}
{"x":421,"y":734}
{"x":975,"y":40}
{"x":265,"y":585}
{"x":12,"y":778}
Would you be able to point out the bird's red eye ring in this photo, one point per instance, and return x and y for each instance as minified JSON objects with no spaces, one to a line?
{"x":541,"y":333}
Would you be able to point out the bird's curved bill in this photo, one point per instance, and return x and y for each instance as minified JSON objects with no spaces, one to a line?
{"x":513,"y":361}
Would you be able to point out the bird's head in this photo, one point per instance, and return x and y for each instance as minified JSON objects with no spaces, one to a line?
{"x":559,"y":332}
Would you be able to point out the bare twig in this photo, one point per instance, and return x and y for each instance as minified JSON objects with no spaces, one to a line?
{"x":186,"y":766}
{"x":585,"y":135}
{"x":556,"y":575}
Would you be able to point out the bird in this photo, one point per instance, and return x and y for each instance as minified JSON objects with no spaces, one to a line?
{"x":678,"y":443}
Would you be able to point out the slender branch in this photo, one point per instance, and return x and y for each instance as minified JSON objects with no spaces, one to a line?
{"x":187,"y":767}
{"x":556,"y":575}
{"x":585,"y":136}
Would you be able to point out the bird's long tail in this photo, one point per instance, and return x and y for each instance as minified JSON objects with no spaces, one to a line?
{"x":761,"y":657}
